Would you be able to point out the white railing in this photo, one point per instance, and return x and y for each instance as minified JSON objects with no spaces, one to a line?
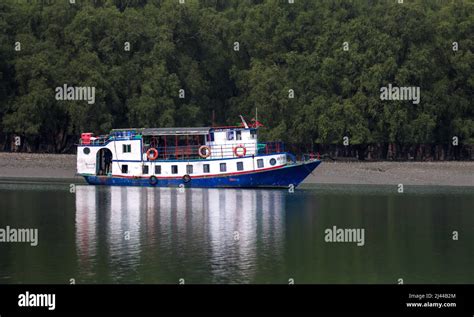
{"x":229,"y":151}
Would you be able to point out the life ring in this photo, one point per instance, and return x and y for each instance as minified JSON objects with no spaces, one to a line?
{"x":186,"y":178}
{"x":237,"y":148}
{"x":151,"y":156}
{"x":153,"y":180}
{"x":204,"y":151}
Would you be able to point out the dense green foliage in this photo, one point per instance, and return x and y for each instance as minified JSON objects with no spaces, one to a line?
{"x":282,"y":46}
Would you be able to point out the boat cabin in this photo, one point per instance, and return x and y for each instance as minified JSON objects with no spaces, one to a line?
{"x":176,"y":152}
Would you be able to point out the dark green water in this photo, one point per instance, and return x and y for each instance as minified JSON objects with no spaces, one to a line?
{"x":237,"y":236}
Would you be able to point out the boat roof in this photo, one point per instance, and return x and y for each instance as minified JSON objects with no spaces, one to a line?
{"x":176,"y":131}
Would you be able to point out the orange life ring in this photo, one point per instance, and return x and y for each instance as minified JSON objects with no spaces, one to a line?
{"x":207,"y":151}
{"x":151,"y":156}
{"x":240,"y":147}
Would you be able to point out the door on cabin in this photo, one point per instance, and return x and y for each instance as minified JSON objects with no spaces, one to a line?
{"x":104,"y":162}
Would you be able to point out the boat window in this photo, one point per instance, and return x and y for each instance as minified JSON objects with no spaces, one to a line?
{"x":253,"y":133}
{"x":126,"y":148}
{"x":223,"y":167}
{"x":238,"y":135}
{"x":124,"y":169}
{"x":260,"y":163}
{"x":230,"y":135}
{"x":157,"y":169}
{"x":205,"y":168}
{"x":86,"y":150}
{"x":189,"y":169}
{"x":273,"y":161}
{"x":145,"y":169}
{"x":210,"y":137}
{"x":240,"y":166}
{"x":174,"y":169}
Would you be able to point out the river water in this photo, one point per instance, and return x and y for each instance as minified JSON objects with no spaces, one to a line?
{"x":161,"y":235}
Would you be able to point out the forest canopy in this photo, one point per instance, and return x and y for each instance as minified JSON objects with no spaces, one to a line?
{"x":314,"y":69}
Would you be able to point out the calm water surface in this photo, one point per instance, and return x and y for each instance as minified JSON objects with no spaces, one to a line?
{"x":152,"y":235}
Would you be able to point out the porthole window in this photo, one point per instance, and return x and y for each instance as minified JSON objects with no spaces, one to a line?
{"x":86,"y":150}
{"x":273,"y":161}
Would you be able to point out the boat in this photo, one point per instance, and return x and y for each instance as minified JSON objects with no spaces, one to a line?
{"x":205,"y":157}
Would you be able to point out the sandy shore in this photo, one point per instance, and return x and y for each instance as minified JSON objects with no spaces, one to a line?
{"x":20,"y":167}
{"x":389,"y":173}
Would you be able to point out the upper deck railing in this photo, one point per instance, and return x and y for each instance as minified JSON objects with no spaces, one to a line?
{"x":188,"y":152}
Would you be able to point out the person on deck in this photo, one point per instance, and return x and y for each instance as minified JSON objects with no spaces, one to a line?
{"x":107,"y":161}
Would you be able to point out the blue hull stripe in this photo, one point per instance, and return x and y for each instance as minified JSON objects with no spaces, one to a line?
{"x":280,"y":177}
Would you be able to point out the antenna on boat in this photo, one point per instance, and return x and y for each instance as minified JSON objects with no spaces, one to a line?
{"x":243,"y":122}
{"x":255,"y":124}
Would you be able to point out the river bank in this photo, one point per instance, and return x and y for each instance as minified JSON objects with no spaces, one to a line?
{"x":26,"y":167}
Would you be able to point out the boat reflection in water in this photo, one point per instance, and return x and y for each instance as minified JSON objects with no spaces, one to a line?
{"x":163,"y":235}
